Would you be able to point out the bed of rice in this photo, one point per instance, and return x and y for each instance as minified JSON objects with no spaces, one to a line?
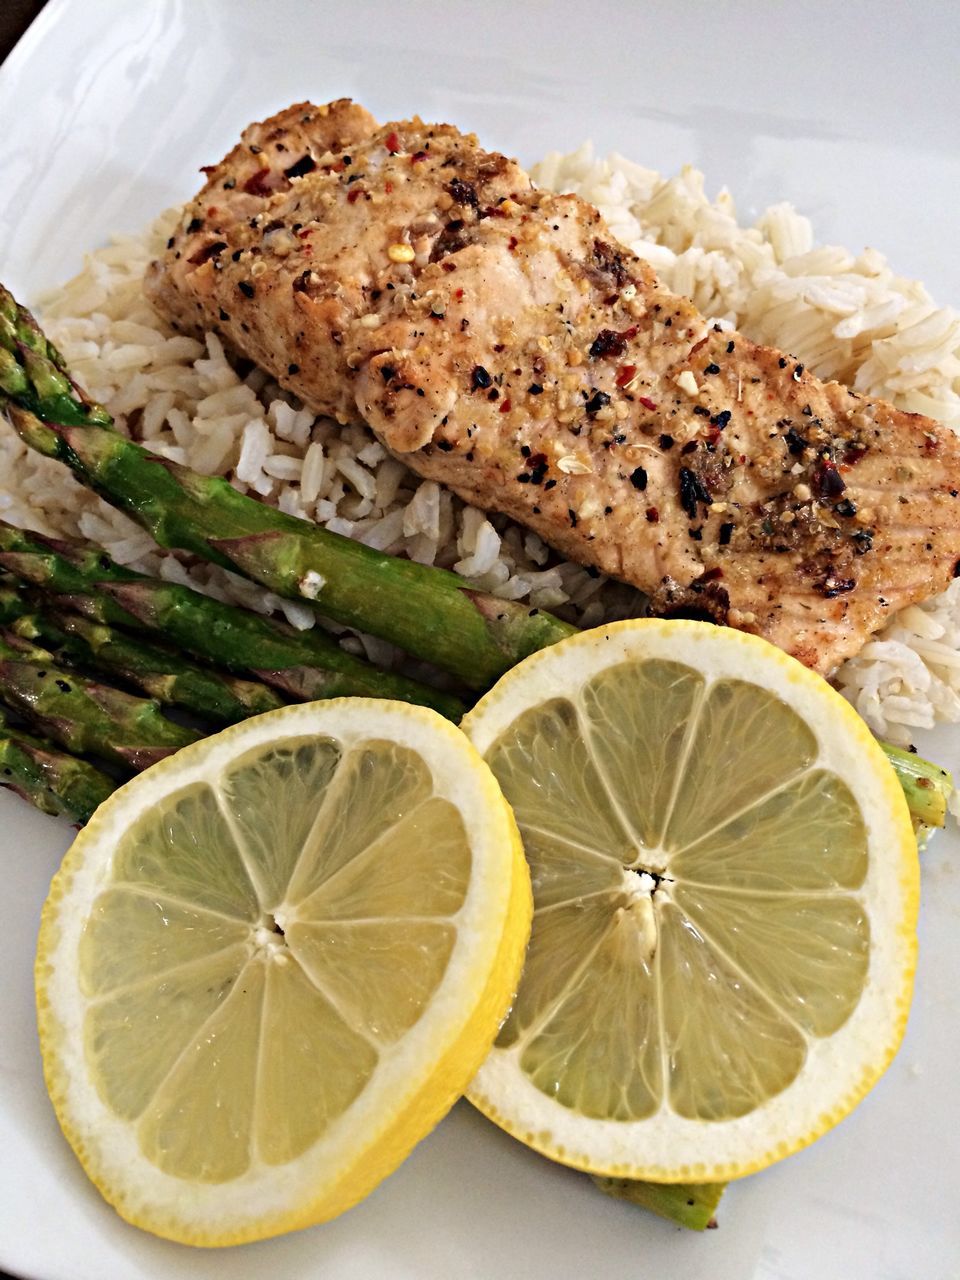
{"x":845,"y":316}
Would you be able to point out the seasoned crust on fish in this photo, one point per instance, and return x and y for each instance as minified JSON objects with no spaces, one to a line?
{"x":499,"y":340}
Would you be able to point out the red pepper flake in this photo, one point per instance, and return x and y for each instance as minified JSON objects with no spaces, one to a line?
{"x":711,"y":575}
{"x":388,"y":187}
{"x":256,"y":184}
{"x":354,"y":194}
{"x":513,"y":242}
{"x":448,"y":266}
{"x":853,"y":453}
{"x":212,"y":210}
{"x":392,"y":143}
{"x":506,"y":407}
{"x":624,"y":375}
{"x":647,"y":403}
{"x":458,"y":294}
{"x":307,"y":231}
{"x":653,"y":515}
{"x":418,"y":156}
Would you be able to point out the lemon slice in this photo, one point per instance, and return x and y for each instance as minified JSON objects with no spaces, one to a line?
{"x":271,"y":963}
{"x":725,"y":899}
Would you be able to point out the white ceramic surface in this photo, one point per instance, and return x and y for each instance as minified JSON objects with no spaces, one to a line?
{"x":108,"y":108}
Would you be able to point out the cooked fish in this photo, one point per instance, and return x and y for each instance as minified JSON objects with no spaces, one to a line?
{"x":498,"y":339}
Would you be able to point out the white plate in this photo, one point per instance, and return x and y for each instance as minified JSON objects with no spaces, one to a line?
{"x":108,"y":109}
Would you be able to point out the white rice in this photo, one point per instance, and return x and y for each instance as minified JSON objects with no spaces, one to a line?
{"x":845,"y":316}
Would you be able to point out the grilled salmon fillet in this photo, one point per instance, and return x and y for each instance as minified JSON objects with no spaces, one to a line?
{"x":497,"y":339}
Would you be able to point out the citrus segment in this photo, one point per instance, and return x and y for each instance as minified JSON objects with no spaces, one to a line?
{"x":134,"y":1036}
{"x":347,"y":962}
{"x":743,"y":742}
{"x":185,"y":848}
{"x":552,"y":782}
{"x":809,"y":954}
{"x":809,"y":834}
{"x":210,"y":1089}
{"x":296,"y":1103}
{"x":636,"y":718}
{"x":299,"y":771}
{"x":376,"y":786}
{"x":131,"y":933}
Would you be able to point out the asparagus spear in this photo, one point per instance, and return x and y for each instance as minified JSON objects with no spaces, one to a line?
{"x":689,"y":1204}
{"x":429,"y":612}
{"x":50,"y":780}
{"x":157,"y":671}
{"x":81,"y":577}
{"x":12,"y":604}
{"x":305,"y":665}
{"x":926,"y":786}
{"x":81,"y":715}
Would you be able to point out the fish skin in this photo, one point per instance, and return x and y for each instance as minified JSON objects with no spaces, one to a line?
{"x":537,"y":368}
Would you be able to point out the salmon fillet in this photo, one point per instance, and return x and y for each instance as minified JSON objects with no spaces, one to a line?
{"x":497,"y":339}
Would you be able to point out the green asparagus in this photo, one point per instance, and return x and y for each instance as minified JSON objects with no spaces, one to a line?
{"x":50,"y":780}
{"x":429,"y":612}
{"x":81,"y":715}
{"x":12,"y":603}
{"x":33,"y":371}
{"x":80,"y":577}
{"x":926,"y":786}
{"x":154,"y":669}
{"x":689,"y":1204}
{"x":305,"y":665}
